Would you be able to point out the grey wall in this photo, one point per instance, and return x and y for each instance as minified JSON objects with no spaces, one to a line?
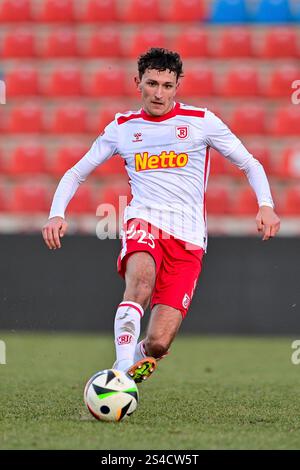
{"x":247,"y":286}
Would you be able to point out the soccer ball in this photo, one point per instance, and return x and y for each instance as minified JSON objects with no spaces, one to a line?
{"x":110,"y":395}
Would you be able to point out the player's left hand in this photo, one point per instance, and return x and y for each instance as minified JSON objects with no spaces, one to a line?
{"x":268,"y":222}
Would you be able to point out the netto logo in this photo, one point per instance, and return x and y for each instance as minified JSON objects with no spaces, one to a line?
{"x":164,"y":160}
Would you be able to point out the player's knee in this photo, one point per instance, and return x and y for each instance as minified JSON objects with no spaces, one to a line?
{"x":156,"y":348}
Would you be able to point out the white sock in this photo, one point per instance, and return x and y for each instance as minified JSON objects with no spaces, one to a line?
{"x":127,"y":332}
{"x":139,"y":352}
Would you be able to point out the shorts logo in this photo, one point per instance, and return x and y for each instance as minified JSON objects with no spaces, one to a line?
{"x":186,"y":301}
{"x":144,"y":161}
{"x":182,"y":132}
{"x":124,"y":339}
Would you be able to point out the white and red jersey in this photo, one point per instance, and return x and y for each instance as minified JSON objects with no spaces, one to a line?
{"x":167,"y":161}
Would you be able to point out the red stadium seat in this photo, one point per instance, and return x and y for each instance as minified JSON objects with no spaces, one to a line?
{"x":286,"y":121}
{"x":56,"y":11}
{"x":27,"y":160}
{"x":65,"y":81}
{"x":249,"y":119}
{"x":142,"y":40}
{"x":70,"y":119}
{"x":241,"y":81}
{"x":135,"y":11}
{"x":99,"y":11}
{"x":106,"y":115}
{"x":104,"y":43}
{"x":197,"y":81}
{"x":83,"y":201}
{"x":291,"y":205}
{"x":184,"y":10}
{"x":18,"y":43}
{"x":66,"y":157}
{"x":262,"y":153}
{"x":3,"y":199}
{"x":30,"y":197}
{"x":244,"y":202}
{"x":115,"y":166}
{"x":234,"y":42}
{"x":15,"y":10}
{"x":61,"y":43}
{"x":232,"y":170}
{"x":217,"y":199}
{"x":281,"y":80}
{"x":289,"y":163}
{"x":2,"y":165}
{"x":280,"y":42}
{"x":190,"y":42}
{"x":108,"y":82}
{"x":26,"y":118}
{"x":22,"y":81}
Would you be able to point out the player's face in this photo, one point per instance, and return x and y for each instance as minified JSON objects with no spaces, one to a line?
{"x":158,"y":89}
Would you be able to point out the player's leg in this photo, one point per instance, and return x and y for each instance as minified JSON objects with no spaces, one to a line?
{"x":162,"y":329}
{"x":140,"y":280}
{"x":174,"y":289}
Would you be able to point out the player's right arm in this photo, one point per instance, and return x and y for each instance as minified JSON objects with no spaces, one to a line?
{"x":102,"y":149}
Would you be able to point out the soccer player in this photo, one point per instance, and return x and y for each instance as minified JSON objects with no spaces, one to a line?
{"x":165,"y":146}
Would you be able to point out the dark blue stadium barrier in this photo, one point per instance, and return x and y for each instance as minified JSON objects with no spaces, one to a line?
{"x":247,"y":286}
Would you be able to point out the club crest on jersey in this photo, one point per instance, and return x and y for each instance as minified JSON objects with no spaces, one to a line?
{"x":144,"y":161}
{"x":182,"y":132}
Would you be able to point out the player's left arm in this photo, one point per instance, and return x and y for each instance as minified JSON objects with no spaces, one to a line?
{"x":267,"y":222}
{"x":220,"y":137}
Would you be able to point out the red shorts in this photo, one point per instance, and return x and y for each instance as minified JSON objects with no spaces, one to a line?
{"x":177,"y":268}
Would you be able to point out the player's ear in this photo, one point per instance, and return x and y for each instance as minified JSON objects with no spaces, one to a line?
{"x":137,"y":82}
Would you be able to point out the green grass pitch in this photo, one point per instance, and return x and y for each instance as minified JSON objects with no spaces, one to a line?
{"x":209,"y":393}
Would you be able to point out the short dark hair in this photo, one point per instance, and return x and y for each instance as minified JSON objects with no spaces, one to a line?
{"x":160,"y":59}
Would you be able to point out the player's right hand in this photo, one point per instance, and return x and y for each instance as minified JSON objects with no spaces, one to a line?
{"x":53,"y":230}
